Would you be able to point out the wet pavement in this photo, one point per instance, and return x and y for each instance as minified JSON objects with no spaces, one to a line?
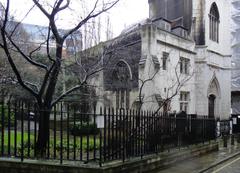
{"x":197,"y":164}
{"x":230,"y":167}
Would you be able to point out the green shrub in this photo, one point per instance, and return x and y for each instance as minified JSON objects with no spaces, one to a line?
{"x":77,"y":146}
{"x":84,"y":129}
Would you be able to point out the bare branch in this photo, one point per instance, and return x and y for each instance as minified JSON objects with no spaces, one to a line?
{"x":41,"y":8}
{"x":75,"y":87}
{"x":18,"y":23}
{"x":27,"y":83}
{"x":58,"y":8}
{"x":45,"y":80}
{"x":48,"y":39}
{"x":90,"y":16}
{"x":24,"y":55}
{"x":36,"y":49}
{"x":9,"y":57}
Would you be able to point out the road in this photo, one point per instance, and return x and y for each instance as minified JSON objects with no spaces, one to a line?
{"x":232,"y":166}
{"x":194,"y":165}
{"x":202,"y":162}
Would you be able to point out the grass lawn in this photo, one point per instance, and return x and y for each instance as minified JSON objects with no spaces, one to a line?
{"x":65,"y":148}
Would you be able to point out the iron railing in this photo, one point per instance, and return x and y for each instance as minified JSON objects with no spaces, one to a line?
{"x":97,"y":137}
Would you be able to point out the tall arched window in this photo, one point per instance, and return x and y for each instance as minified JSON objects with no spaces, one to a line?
{"x":122,"y":76}
{"x":214,"y":23}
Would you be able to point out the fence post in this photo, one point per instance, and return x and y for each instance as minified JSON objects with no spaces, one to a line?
{"x":35,"y":130}
{"x":15,"y":128}
{"x":232,"y":139}
{"x":225,"y":140}
{"x":28,"y":129}
{"x":104,"y":135}
{"x":22,"y":131}
{"x":2,"y":150}
{"x":108,"y":133}
{"x":61,"y":134}
{"x":113,"y":132}
{"x":88,"y":119}
{"x":123,"y":136}
{"x":74,"y":137}
{"x":100,"y":147}
{"x":127,"y":133}
{"x":144,"y":132}
{"x":68,"y":132}
{"x":9,"y":128}
{"x":94,"y":137}
{"x":54,"y":132}
{"x":120,"y":134}
{"x":203,"y":129}
{"x":141,"y":133}
{"x":81,"y":136}
{"x":130,"y":139}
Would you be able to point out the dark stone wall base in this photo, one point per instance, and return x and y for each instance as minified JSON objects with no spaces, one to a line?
{"x":138,"y":165}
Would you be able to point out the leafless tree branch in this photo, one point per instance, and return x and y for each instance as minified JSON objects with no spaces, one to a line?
{"x":75,"y":87}
{"x":36,"y":2}
{"x":8,"y":54}
{"x":29,"y":59}
{"x":90,"y":16}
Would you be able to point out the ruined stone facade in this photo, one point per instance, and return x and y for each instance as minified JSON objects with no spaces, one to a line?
{"x":184,"y":48}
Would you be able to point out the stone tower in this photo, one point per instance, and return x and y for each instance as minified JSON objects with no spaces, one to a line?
{"x":211,"y":24}
{"x":178,"y":11}
{"x":196,"y":17}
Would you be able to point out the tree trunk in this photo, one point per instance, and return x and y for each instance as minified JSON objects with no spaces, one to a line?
{"x":43,"y":132}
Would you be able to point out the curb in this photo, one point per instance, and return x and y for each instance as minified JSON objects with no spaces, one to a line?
{"x":151,"y":163}
{"x":220,"y":162}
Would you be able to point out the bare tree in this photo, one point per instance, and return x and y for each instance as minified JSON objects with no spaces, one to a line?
{"x":97,"y":30}
{"x":45,"y":94}
{"x":178,"y":81}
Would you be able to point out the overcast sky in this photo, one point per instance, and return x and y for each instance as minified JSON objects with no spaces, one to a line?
{"x":124,"y":14}
{"x":128,"y":12}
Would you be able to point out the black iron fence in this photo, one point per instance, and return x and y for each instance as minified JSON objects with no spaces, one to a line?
{"x":98,"y":137}
{"x":235,"y":118}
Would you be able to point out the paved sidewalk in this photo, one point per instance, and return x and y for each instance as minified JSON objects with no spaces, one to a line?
{"x":200,"y":164}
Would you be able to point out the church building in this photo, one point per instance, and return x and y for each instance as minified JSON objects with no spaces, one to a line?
{"x":179,"y":59}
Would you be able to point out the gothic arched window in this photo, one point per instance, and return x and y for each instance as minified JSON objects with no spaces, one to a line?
{"x":214,"y":23}
{"x":121,"y":72}
{"x":122,"y":76}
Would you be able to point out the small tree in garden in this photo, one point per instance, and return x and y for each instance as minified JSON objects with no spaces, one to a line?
{"x":49,"y":69}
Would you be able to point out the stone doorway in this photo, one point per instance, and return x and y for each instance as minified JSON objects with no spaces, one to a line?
{"x":211,"y":106}
{"x":213,"y":98}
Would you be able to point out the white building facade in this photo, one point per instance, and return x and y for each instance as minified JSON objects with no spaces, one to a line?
{"x":235,"y":30}
{"x":177,"y":60}
{"x":204,"y":50}
{"x":213,"y":60}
